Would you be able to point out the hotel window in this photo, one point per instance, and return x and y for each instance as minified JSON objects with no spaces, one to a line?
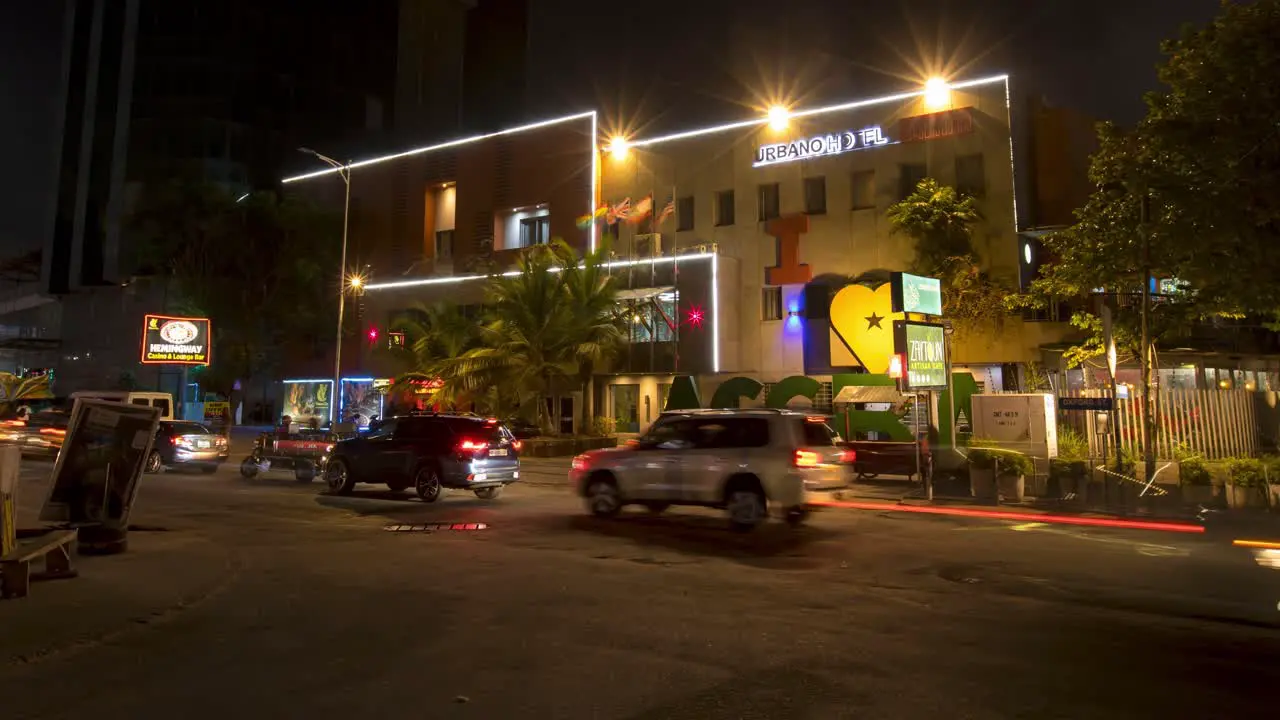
{"x":815,"y":195}
{"x":970,"y":177}
{"x":864,"y":189}
{"x":684,"y":214}
{"x":770,"y":202}
{"x":535,"y":231}
{"x":909,"y":176}
{"x":771,"y":303}
{"x":724,"y":208}
{"x":444,"y":244}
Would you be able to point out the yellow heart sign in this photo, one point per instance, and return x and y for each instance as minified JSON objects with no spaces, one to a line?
{"x":862,"y":328}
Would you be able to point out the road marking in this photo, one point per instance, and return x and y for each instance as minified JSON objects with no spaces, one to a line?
{"x":1027,"y":526}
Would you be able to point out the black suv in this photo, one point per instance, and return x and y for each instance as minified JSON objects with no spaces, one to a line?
{"x":429,"y":453}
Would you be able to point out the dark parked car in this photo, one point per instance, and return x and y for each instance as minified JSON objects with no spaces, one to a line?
{"x":181,"y":443}
{"x":429,"y":453}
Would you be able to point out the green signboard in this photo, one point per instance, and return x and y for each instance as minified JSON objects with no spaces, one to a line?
{"x":923,"y":347}
{"x":915,"y":294}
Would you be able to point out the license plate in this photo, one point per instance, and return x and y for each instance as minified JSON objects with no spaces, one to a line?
{"x":498,"y":453}
{"x":202,"y":444}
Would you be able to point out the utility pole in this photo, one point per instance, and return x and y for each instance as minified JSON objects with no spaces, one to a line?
{"x":1148,"y":419}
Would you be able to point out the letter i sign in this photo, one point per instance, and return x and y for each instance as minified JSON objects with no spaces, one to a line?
{"x":789,"y":270}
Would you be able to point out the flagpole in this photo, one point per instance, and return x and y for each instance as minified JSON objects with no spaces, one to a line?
{"x":675,"y":276}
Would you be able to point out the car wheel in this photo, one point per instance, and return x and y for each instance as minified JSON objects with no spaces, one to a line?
{"x":603,"y":498}
{"x":657,"y":508}
{"x":154,"y":463}
{"x":304,"y":472}
{"x":209,"y":469}
{"x":338,"y":477}
{"x":249,"y":468}
{"x":746,"y":506}
{"x":427,"y":484}
{"x":489,"y":493}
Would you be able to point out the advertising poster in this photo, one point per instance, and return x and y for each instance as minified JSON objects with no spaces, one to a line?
{"x":361,"y":400}
{"x":307,"y":401}
{"x":925,"y":349}
{"x":170,"y":340}
{"x":916,"y":294}
{"x":96,"y":475}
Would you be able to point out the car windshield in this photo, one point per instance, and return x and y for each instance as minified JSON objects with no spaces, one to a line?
{"x":477,"y":429}
{"x":188,"y":428}
{"x":817,"y":434}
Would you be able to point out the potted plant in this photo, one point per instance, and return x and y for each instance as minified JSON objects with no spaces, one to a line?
{"x":1271,"y":475}
{"x":1069,"y":472}
{"x":1194,"y":480}
{"x":1012,"y":470}
{"x":1246,"y":483}
{"x":982,"y":469}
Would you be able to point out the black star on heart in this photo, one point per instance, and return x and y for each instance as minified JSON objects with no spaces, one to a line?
{"x":873,"y":321}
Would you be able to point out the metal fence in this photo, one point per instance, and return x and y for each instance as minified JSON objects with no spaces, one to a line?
{"x":1214,"y":424}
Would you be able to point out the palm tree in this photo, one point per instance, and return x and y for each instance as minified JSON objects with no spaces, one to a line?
{"x":597,"y":326}
{"x":439,"y":334}
{"x":15,"y":390}
{"x":529,"y":344}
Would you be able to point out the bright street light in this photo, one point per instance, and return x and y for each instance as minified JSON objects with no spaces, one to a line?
{"x":937,"y":93}
{"x":344,"y":172}
{"x":779,"y":118}
{"x":619,"y":147}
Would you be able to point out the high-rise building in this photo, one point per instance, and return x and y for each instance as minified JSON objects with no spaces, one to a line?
{"x":118,"y":93}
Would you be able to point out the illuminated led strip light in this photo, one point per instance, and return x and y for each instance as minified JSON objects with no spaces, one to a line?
{"x":856,"y":104}
{"x":593,"y":190}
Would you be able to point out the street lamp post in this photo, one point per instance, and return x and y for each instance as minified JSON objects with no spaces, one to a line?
{"x":344,"y":172}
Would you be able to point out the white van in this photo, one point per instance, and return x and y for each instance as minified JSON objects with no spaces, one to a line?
{"x":162,"y":400}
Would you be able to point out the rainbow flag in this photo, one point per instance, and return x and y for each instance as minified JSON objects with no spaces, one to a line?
{"x":585,"y":221}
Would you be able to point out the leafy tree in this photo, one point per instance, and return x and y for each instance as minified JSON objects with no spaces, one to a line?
{"x":526,"y":346}
{"x":550,"y":324}
{"x":261,"y":268}
{"x":940,"y":220}
{"x":437,"y":334}
{"x":597,"y":327}
{"x":1191,"y":195}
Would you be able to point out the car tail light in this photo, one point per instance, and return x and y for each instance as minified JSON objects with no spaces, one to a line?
{"x":472,"y":446}
{"x":517,"y":445}
{"x":579,"y":462}
{"x":806,"y":459}
{"x":848,"y":456}
{"x":53,"y":431}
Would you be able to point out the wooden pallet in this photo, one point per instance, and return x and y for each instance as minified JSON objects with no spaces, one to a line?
{"x":15,"y":567}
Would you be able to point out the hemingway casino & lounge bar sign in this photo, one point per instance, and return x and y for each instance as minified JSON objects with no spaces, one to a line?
{"x":175,"y":340}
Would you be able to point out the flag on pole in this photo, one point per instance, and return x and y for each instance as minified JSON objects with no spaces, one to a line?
{"x":585,"y":221}
{"x":621,"y":211}
{"x":642,"y":209}
{"x":668,"y":210}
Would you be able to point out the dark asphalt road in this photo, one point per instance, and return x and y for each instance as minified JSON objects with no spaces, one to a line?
{"x":264,"y":599}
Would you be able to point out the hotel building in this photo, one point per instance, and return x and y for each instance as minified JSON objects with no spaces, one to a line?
{"x":766,"y":220}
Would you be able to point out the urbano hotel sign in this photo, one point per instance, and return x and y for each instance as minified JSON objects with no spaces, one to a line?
{"x":911,"y":129}
{"x":821,"y":146}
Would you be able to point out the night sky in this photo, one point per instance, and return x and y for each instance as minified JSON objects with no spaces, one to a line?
{"x":658,"y":64}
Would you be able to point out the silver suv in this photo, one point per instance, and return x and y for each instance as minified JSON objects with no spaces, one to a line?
{"x":749,"y":462}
